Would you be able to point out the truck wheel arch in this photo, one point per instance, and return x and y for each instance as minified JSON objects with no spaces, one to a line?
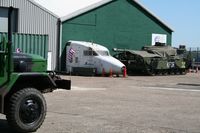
{"x":36,"y":80}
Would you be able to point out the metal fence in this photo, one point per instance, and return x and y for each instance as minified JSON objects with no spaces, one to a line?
{"x":194,"y":53}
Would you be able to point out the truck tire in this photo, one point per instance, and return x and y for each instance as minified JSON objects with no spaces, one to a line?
{"x":26,"y":110}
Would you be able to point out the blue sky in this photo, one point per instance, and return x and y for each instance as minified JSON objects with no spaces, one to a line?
{"x":183,"y":16}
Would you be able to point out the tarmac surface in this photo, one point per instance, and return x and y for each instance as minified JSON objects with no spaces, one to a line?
{"x":136,"y":104}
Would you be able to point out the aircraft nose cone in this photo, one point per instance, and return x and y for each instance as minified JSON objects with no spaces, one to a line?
{"x":112,"y":65}
{"x":118,"y":68}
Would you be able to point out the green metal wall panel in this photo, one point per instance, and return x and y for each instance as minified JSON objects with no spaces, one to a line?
{"x":121,"y":24}
{"x":29,"y":43}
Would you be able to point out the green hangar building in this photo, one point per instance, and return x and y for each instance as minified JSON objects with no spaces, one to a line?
{"x":114,"y":24}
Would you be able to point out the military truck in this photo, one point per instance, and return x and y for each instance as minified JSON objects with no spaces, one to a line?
{"x":23,"y":79}
{"x":152,"y":60}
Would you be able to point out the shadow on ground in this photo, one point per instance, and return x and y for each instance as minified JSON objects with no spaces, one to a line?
{"x":4,"y":128}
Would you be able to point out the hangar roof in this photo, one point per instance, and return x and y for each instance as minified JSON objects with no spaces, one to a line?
{"x":68,"y":14}
{"x":43,"y":8}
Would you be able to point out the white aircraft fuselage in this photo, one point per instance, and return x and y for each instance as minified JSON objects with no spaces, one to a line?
{"x":91,"y":55}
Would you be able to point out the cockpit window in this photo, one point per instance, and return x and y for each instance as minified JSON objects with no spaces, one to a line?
{"x":103,"y":53}
{"x":89,"y":53}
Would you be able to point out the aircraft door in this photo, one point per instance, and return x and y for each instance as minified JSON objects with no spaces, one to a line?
{"x":91,"y":58}
{"x":88,"y":60}
{"x":78,"y":55}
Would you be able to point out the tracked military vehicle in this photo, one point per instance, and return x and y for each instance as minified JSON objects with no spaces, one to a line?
{"x":152,"y":60}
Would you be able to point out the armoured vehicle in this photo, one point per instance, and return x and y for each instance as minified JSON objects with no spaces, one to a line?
{"x":152,"y":60}
{"x":23,"y":78}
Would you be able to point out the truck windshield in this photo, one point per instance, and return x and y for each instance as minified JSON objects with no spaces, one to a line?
{"x":103,"y":53}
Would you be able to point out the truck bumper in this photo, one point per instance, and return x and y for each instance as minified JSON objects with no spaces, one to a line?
{"x":64,"y":84}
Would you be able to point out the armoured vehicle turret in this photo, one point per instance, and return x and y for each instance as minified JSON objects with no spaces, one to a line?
{"x":152,"y":60}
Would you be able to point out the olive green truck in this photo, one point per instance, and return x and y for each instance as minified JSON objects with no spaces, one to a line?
{"x":23,"y":79}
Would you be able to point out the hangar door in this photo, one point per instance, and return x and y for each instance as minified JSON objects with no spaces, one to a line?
{"x":4,"y":20}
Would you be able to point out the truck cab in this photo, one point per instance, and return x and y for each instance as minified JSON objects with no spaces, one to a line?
{"x":23,"y":79}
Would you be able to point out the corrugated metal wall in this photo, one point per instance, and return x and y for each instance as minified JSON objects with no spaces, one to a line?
{"x":32,"y":19}
{"x":29,"y":43}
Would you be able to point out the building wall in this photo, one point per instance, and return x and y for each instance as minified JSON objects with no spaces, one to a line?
{"x":32,"y":19}
{"x":121,"y":24}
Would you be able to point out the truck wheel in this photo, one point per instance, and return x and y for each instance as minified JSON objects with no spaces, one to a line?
{"x":26,"y":110}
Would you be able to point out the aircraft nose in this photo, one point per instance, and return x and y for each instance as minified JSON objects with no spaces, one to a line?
{"x":111,"y":64}
{"x":118,"y":68}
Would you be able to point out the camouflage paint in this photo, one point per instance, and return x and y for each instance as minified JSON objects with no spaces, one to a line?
{"x":33,"y":63}
{"x":3,"y":62}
